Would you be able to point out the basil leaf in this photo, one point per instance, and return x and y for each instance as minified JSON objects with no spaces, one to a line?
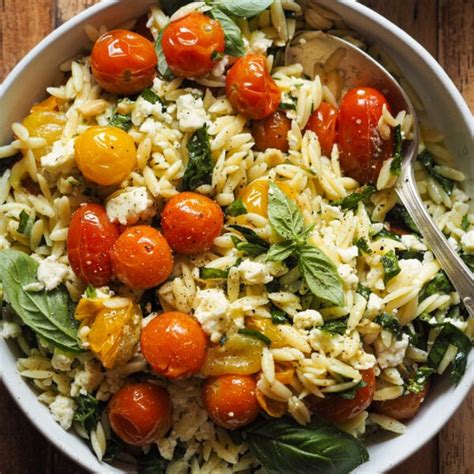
{"x":49,"y":314}
{"x":439,"y":284}
{"x":213,"y":273}
{"x":283,"y":446}
{"x":200,"y":165}
{"x":417,"y":383}
{"x":172,"y":6}
{"x":237,"y":208}
{"x":284,"y":215}
{"x":88,"y":411}
{"x":363,"y":291}
{"x":465,"y":223}
{"x":396,"y":164}
{"x":468,"y":259}
{"x":26,"y":223}
{"x":152,"y":97}
{"x":252,"y":250}
{"x":390,"y":323}
{"x":363,"y":246}
{"x":241,"y":8}
{"x":320,"y":274}
{"x":390,"y":266}
{"x":351,"y":201}
{"x":279,"y":316}
{"x":152,"y":462}
{"x":287,"y":106}
{"x":123,"y":121}
{"x":234,"y":43}
{"x":336,"y":326}
{"x":428,"y":163}
{"x":281,"y":251}
{"x":410,"y":254}
{"x":163,"y":68}
{"x":386,"y":234}
{"x":91,"y":292}
{"x":399,"y":216}
{"x":250,"y":235}
{"x":350,"y":393}
{"x":7,"y":163}
{"x":113,"y":449}
{"x":256,"y":335}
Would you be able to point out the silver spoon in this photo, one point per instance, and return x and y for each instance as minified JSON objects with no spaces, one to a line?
{"x":312,"y":49}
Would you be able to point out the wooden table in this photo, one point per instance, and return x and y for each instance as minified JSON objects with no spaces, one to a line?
{"x":444,"y":27}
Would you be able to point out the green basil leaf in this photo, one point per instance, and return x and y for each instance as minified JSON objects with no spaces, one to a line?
{"x":237,"y":208}
{"x":465,"y":223}
{"x":114,"y":447}
{"x":163,"y":68}
{"x":91,"y":292}
{"x":439,"y":284}
{"x":400,"y":217}
{"x":284,"y":215}
{"x":250,"y":235}
{"x":281,"y":251}
{"x":390,"y":266}
{"x":212,"y":273}
{"x":256,"y":335}
{"x":172,"y":6}
{"x":123,"y":121}
{"x":50,"y":314}
{"x":363,"y":246}
{"x":200,"y":165}
{"x":283,"y":446}
{"x":410,"y":254}
{"x":26,"y":223}
{"x":279,"y":316}
{"x":390,"y":323}
{"x":88,"y":411}
{"x":336,"y":326}
{"x":350,"y":393}
{"x":320,"y":274}
{"x":363,"y":291}
{"x":417,"y":383}
{"x":429,"y":164}
{"x":241,"y":8}
{"x":396,"y":164}
{"x":352,"y":201}
{"x":150,"y":96}
{"x":287,"y":106}
{"x":234,"y":43}
{"x":252,"y":250}
{"x":152,"y":462}
{"x":468,"y":259}
{"x":386,"y":234}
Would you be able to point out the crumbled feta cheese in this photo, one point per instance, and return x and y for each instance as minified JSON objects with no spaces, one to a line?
{"x":51,"y":273}
{"x":308,"y":319}
{"x":394,"y":354}
{"x":467,"y":241}
{"x":88,"y":379}
{"x":61,"y":360}
{"x":144,"y":109}
{"x":130,"y":206}
{"x":347,"y":275}
{"x":428,"y":257}
{"x":219,"y":69}
{"x":453,"y":242}
{"x":254,"y":273}
{"x":347,"y":255}
{"x":63,"y":410}
{"x":60,"y":158}
{"x":190,"y":113}
{"x":9,"y":329}
{"x":374,"y":306}
{"x":211,"y":311}
{"x":259,"y":42}
{"x":412,"y":243}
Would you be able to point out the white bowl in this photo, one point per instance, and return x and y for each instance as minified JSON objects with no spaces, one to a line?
{"x":444,"y":104}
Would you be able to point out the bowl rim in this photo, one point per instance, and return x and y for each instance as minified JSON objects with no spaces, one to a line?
{"x":20,"y":390}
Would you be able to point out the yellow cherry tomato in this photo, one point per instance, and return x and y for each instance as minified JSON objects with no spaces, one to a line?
{"x":50,"y":103}
{"x":255,"y":195}
{"x":266,"y":327}
{"x":105,"y":155}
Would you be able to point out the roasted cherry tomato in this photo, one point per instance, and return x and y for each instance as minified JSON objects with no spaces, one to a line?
{"x":50,"y":103}
{"x":91,"y":236}
{"x":140,"y":412}
{"x":174,"y":344}
{"x":123,"y":62}
{"x":362,"y":149}
{"x":105,"y":155}
{"x":231,"y":400}
{"x":250,"y":87}
{"x":192,"y":44}
{"x":190,"y":222}
{"x":272,"y":132}
{"x":47,"y":124}
{"x":141,"y":257}
{"x":404,"y":407}
{"x":337,"y":410}
{"x":323,"y":123}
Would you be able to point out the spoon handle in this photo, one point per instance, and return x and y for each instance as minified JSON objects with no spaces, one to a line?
{"x":460,"y":275}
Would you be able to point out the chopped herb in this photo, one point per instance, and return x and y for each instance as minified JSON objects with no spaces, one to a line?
{"x":273,"y":286}
{"x":90,"y":292}
{"x":152,"y":462}
{"x":439,"y":284}
{"x":396,"y":164}
{"x":390,"y":266}
{"x":417,"y":383}
{"x":163,"y":68}
{"x":88,"y":411}
{"x":279,"y":316}
{"x":256,"y":335}
{"x":410,"y":254}
{"x":468,"y":259}
{"x":390,"y":323}
{"x":26,"y":223}
{"x":363,"y":291}
{"x":336,"y":326}
{"x":216,"y":56}
{"x":113,"y":449}
{"x":429,"y":164}
{"x":465,"y":223}
{"x":288,"y":105}
{"x":386,"y":234}
{"x":152,"y":97}
{"x":237,"y":208}
{"x":123,"y":121}
{"x":399,"y":216}
{"x":351,"y":201}
{"x":363,"y":246}
{"x":350,"y":393}
{"x":149,"y":302}
{"x":251,"y":236}
{"x":213,"y":273}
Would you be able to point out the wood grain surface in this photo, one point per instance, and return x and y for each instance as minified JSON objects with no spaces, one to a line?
{"x":444,"y":27}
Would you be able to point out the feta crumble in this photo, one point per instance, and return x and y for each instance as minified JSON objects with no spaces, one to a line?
{"x":308,"y":319}
{"x":51,"y":273}
{"x":394,"y":354}
{"x":374,"y":306}
{"x":190,"y":113}
{"x":412,"y":243}
{"x":254,"y":273}
{"x":347,"y":255}
{"x":130,"y":206}
{"x":467,"y":241}
{"x":347,"y":275}
{"x":9,"y":329}
{"x":61,"y":360}
{"x":63,"y":411}
{"x":211,"y":310}
{"x":60,"y":158}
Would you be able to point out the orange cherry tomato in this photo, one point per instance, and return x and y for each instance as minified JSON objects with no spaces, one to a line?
{"x":337,"y":410}
{"x":47,"y":124}
{"x":140,"y":412}
{"x":123,"y":62}
{"x":105,"y":155}
{"x":141,"y":257}
{"x":190,"y":222}
{"x":323,"y":123}
{"x":404,"y":407}
{"x":362,"y":149}
{"x":50,"y":103}
{"x":91,"y":236}
{"x":231,"y":400}
{"x":191,"y":43}
{"x":174,"y":344}
{"x":272,"y":132}
{"x":251,"y":89}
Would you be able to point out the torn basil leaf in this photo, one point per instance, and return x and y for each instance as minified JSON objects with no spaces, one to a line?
{"x":123,"y":121}
{"x":237,"y":208}
{"x":426,"y":159}
{"x":352,"y":201}
{"x":390,"y":323}
{"x":417,"y":383}
{"x":390,"y":266}
{"x":396,"y":164}
{"x":213,"y":273}
{"x":234,"y":43}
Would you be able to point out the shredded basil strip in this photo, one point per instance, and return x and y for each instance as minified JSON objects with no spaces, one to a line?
{"x":237,"y":208}
{"x":123,"y":121}
{"x":390,"y":323}
{"x":439,"y":284}
{"x":417,"y":383}
{"x":26,"y":223}
{"x":426,"y":159}
{"x":256,"y":335}
{"x":213,"y":273}
{"x":350,"y":393}
{"x":390,"y":266}
{"x":352,"y":201}
{"x":336,"y":326}
{"x":396,"y":164}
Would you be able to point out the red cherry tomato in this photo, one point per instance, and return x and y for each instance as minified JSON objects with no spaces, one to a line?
{"x":272,"y":132}
{"x":323,"y":123}
{"x":91,"y":236}
{"x":231,"y":400}
{"x":336,"y":409}
{"x":363,"y":150}
{"x":174,"y":344}
{"x":140,"y":412}
{"x":404,"y":407}
{"x":191,"y":43}
{"x":123,"y":62}
{"x":250,"y":87}
{"x":190,"y":222}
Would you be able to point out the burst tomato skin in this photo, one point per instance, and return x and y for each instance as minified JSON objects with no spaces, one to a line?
{"x":190,"y":43}
{"x":123,"y":62}
{"x":141,"y":257}
{"x":140,"y":412}
{"x":272,"y":132}
{"x":404,"y":407}
{"x":323,"y":123}
{"x":231,"y":400}
{"x":362,"y":149}
{"x":190,"y":222}
{"x":337,"y":410}
{"x":174,"y":344}
{"x":251,"y":89}
{"x":91,"y":236}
